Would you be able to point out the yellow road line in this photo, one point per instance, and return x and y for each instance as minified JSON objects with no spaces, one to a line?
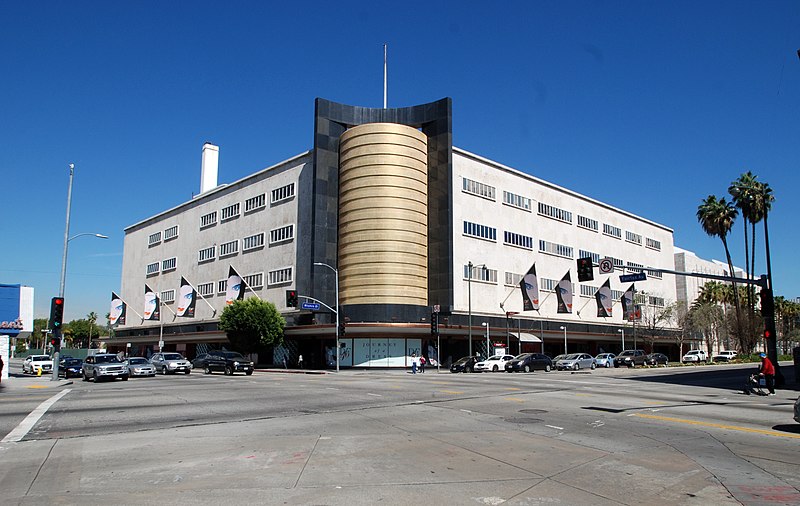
{"x":654,"y":403}
{"x":37,"y":386}
{"x":513,"y":388}
{"x":452,"y":392}
{"x":583,"y":395}
{"x":515,"y":399}
{"x":718,"y":425}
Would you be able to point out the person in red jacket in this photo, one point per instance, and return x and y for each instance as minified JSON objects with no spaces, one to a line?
{"x":768,"y":371}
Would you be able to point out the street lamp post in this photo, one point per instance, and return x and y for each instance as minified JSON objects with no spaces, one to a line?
{"x":67,"y":239}
{"x":488,"y":354}
{"x":336,"y":330}
{"x":623,"y":338}
{"x":564,"y":328}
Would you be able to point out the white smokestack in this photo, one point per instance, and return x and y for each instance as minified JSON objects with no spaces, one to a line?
{"x":209,"y":167}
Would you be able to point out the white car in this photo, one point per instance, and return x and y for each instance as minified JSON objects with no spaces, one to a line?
{"x":604,"y":360}
{"x":34,"y":363}
{"x":724,"y":356}
{"x":576,"y":361}
{"x":695,"y":356}
{"x":494,"y":363}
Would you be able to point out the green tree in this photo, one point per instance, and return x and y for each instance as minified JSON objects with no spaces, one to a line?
{"x":252,"y":323}
{"x":708,"y":319}
{"x":716,"y":216}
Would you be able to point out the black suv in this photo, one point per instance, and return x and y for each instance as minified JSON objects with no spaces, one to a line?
{"x":529,"y":362}
{"x":228,"y":362}
{"x":630,"y":358}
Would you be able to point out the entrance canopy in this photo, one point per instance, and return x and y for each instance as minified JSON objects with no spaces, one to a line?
{"x":524,"y":337}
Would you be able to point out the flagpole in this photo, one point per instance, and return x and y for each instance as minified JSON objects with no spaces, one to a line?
{"x":384,"y":78}
{"x":214,"y":311}
{"x":128,"y":306}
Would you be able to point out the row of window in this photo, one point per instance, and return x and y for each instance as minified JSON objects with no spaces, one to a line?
{"x":169,"y":264}
{"x":255,"y":281}
{"x":170,"y":233}
{"x":514,"y":200}
{"x":251,"y":204}
{"x":249,"y":243}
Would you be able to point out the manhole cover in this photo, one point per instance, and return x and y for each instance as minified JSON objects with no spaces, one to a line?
{"x":533,"y":411}
{"x":521,"y":419}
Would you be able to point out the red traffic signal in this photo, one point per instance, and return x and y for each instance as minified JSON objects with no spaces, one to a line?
{"x":585,"y":269}
{"x":291,"y":298}
{"x":56,"y":312}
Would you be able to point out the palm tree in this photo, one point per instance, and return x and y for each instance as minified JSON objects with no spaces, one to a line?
{"x":716,"y":216}
{"x":92,"y":317}
{"x":743,"y":192}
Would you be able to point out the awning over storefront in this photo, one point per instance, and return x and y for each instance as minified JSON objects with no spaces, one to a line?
{"x":525,"y":337}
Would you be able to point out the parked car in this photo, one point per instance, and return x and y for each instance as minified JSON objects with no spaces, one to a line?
{"x":465,"y":364}
{"x":604,"y":360}
{"x":559,"y":357}
{"x":576,"y":361}
{"x":630,"y":358}
{"x":139,"y":366}
{"x":228,"y":362}
{"x":70,"y":367}
{"x":724,"y":356}
{"x":656,"y":359}
{"x":797,"y":410}
{"x":695,"y":356}
{"x":494,"y":363}
{"x":529,"y":362}
{"x":34,"y":363}
{"x":170,"y":363}
{"x":103,"y":365}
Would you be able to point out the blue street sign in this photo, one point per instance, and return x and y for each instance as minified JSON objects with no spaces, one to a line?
{"x":628,"y":278}
{"x":310,"y":305}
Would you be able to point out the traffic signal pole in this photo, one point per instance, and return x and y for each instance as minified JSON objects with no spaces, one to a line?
{"x":57,"y":332}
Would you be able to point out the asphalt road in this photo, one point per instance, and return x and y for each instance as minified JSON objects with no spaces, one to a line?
{"x":658,"y":436}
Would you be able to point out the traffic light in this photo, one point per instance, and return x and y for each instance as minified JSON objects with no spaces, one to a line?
{"x":56,"y":312}
{"x":341,"y":328}
{"x":585,"y":269}
{"x":55,"y":342}
{"x":434,"y":323}
{"x":767,"y":303}
{"x":291,"y":298}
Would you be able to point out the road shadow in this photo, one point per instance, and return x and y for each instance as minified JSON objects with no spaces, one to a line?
{"x":722,"y":377}
{"x":787,"y":428}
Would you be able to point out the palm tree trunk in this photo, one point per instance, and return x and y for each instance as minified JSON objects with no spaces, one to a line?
{"x":738,"y":330}
{"x":772,"y":342}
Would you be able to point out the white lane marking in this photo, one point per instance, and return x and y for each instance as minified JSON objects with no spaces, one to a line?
{"x":555,"y":427}
{"x":27,"y":424}
{"x":374,"y":395}
{"x":466,"y":411}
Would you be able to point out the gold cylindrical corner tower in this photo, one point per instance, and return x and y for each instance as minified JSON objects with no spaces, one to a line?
{"x":383,"y":215}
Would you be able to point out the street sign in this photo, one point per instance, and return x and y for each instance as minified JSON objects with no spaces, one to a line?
{"x":437,"y":308}
{"x":628,"y":278}
{"x":606,"y":266}
{"x":310,"y":305}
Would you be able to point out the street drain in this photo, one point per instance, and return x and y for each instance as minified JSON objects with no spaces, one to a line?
{"x":533,"y":411}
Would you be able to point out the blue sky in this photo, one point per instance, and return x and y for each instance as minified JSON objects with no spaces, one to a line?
{"x":649,"y":106}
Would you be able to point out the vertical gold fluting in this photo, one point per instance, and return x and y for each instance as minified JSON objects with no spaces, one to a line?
{"x":383,"y":215}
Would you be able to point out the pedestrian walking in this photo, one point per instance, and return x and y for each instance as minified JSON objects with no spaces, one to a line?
{"x":300,"y":361}
{"x":413,"y":363}
{"x":284,"y":362}
{"x":2,"y":364}
{"x":422,"y":362}
{"x":768,"y":371}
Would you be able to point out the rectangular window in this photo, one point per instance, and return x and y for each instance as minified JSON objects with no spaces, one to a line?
{"x":480,"y":231}
{"x":253,"y":203}
{"x":548,"y":285}
{"x":555,"y":213}
{"x":171,"y":233}
{"x":588,"y":290}
{"x":229,"y":248}
{"x":655,"y":274}
{"x":479,"y":189}
{"x":230,"y":212}
{"x":208,"y":220}
{"x":587,"y":223}
{"x":595,"y":256}
{"x":168,"y":296}
{"x":655,"y":301}
{"x":154,"y":239}
{"x":552,"y":248}
{"x":612,"y":231}
{"x":253,"y":242}
{"x":282,"y":234}
{"x":281,"y":194}
{"x":618,"y":263}
{"x":152,"y":268}
{"x":519,"y":240}
{"x":255,"y":280}
{"x":206,"y":254}
{"x":168,"y":264}
{"x":222,"y":286}
{"x":653,"y":244}
{"x":513,"y":279}
{"x":481,"y":274}
{"x":518,"y":201}
{"x":206,"y":289}
{"x":633,"y":238}
{"x":634,"y":267}
{"x":616,"y":294}
{"x":280,"y":276}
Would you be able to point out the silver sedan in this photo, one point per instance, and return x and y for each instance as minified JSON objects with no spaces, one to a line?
{"x":576,"y":361}
{"x":140,"y":366}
